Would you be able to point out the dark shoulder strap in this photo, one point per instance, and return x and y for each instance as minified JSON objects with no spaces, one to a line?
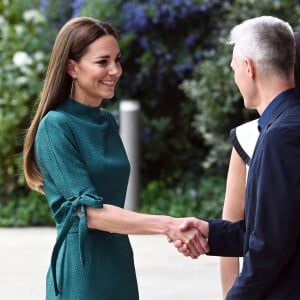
{"x":244,"y":138}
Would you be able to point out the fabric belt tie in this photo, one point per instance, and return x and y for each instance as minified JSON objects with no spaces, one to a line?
{"x":69,"y":209}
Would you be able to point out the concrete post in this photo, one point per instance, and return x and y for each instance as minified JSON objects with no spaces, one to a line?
{"x":129,"y":132}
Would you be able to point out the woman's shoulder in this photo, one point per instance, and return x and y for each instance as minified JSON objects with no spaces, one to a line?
{"x":56,"y":117}
{"x":249,"y":126}
{"x":53,"y":123}
{"x":244,"y":138}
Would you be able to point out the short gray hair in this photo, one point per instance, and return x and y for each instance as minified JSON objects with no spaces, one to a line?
{"x":268,"y":41}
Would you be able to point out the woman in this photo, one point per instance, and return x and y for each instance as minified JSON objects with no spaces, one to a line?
{"x":243,"y":138}
{"x":74,"y":155}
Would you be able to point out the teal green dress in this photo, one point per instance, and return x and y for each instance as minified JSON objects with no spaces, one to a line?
{"x":83,"y":163}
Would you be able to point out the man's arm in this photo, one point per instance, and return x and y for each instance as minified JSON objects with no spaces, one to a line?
{"x":224,"y":238}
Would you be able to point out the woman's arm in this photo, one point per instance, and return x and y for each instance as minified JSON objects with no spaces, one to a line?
{"x":233,"y":210}
{"x":62,"y":164}
{"x":117,"y":220}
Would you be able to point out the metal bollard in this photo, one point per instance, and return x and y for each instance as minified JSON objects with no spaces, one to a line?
{"x":129,"y":132}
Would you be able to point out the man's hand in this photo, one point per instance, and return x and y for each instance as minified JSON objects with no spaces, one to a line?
{"x":202,"y":239}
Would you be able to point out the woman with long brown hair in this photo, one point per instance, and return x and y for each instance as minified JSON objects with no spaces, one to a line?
{"x":74,"y":155}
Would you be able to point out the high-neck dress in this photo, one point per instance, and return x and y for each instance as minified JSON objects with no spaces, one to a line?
{"x":83,"y":163}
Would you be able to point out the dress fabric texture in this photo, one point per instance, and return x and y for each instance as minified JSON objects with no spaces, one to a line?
{"x":84,"y":163}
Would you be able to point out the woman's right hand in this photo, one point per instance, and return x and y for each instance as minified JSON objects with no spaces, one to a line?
{"x":187,"y":233}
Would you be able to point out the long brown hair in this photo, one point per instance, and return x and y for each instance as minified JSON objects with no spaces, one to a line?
{"x":71,"y":42}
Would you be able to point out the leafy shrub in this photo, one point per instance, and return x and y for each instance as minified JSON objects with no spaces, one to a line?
{"x":185,"y":195}
{"x":218,"y":102}
{"x":22,"y":63}
{"x":161,"y":42}
{"x":219,"y":107}
{"x":27,"y":210}
{"x":175,"y":63}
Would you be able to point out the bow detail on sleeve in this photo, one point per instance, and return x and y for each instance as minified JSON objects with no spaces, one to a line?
{"x":69,"y":212}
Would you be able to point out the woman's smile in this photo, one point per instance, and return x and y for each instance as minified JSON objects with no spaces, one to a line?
{"x":97,"y":72}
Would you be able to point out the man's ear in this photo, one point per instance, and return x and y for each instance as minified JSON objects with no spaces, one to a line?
{"x":71,"y":68}
{"x":250,"y":67}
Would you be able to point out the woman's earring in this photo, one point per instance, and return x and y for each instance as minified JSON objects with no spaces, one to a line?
{"x":72,"y":89}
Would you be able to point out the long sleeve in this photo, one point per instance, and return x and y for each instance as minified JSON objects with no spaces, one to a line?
{"x":66,"y":180}
{"x":226,"y":238}
{"x":60,"y":159}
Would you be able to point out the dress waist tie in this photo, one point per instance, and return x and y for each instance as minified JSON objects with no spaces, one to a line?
{"x":70,"y":209}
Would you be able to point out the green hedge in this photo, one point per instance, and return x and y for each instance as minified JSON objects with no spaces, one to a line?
{"x":219,"y":106}
{"x":22,"y":63}
{"x":183,"y":81}
{"x":185,"y":195}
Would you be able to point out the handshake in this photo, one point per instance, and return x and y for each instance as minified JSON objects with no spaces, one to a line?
{"x":189,"y":236}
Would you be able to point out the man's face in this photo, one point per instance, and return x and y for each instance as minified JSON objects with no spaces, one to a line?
{"x":243,"y":79}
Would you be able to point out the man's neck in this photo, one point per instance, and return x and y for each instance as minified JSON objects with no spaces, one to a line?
{"x":270,"y":90}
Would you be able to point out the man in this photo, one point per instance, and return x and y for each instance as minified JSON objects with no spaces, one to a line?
{"x":269,"y":237}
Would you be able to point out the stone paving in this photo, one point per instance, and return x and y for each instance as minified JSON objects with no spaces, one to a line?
{"x":163,"y":273}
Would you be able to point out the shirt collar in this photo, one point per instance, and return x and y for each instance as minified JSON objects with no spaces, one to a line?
{"x":264,"y":118}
